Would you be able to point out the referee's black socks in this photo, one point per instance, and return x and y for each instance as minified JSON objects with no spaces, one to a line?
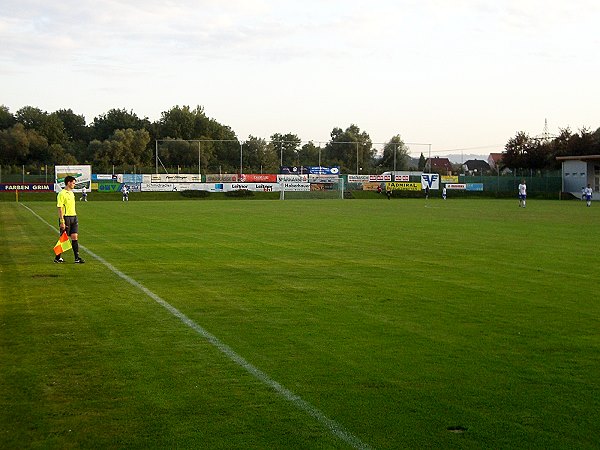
{"x":75,"y":245}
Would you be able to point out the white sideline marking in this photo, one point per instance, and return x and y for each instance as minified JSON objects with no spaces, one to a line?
{"x":334,"y":427}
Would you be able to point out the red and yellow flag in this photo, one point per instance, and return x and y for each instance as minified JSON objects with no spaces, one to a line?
{"x":63,"y":244}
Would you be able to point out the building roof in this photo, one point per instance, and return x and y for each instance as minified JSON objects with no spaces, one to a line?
{"x":439,"y":163}
{"x":495,"y":157}
{"x":478,"y":164}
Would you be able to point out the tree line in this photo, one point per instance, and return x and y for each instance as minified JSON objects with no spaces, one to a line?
{"x":120,"y":138}
{"x":533,"y":153}
{"x":187,"y":139}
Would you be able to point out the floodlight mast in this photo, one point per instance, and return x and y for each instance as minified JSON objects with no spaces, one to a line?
{"x":241,"y":158}
{"x":429,"y":158}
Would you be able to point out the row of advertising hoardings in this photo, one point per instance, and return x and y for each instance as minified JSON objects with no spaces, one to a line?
{"x":305,"y":178}
{"x":402,"y":182}
{"x":215,"y":182}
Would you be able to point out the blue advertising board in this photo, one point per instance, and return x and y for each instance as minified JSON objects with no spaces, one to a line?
{"x":29,"y":187}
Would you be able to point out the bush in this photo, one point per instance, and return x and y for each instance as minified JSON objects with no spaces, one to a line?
{"x":195,"y":194}
{"x":240,"y":193}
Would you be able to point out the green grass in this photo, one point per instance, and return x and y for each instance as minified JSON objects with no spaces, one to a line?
{"x":397,"y":319}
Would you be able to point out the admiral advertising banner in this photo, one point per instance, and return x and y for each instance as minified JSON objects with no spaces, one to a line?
{"x":395,"y":186}
{"x":29,"y":187}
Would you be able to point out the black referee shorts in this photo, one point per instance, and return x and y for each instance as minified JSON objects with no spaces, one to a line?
{"x":71,"y":225}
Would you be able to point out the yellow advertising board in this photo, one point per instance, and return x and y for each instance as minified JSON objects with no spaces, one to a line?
{"x":449,"y":178}
{"x":395,"y":186}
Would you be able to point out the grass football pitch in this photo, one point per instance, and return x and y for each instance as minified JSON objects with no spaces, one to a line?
{"x":302,"y":324}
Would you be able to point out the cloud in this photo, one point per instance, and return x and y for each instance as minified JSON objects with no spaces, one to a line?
{"x":138,"y":31}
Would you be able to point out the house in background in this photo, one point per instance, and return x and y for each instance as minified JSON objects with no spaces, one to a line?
{"x":443,"y":166}
{"x":495,"y":160}
{"x":476,"y":167}
{"x":578,"y":172}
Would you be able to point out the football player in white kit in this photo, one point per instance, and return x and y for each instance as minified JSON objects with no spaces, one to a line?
{"x":522,"y":194}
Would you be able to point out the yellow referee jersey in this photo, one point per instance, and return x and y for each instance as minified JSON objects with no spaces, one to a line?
{"x":66,"y":200}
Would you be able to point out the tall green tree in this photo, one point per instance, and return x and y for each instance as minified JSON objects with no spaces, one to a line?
{"x":7,"y":120}
{"x":422,"y":162}
{"x":106,"y":124}
{"x":15,"y":145}
{"x":351,"y":149}
{"x":182,"y":123}
{"x":516,"y":151}
{"x":48,"y":125}
{"x":74,"y":125}
{"x":259,"y":156}
{"x":309,"y":154}
{"x":286,"y":146}
{"x":395,"y":154}
{"x":124,"y":147}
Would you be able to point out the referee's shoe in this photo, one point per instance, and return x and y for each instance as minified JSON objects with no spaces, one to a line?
{"x":79,"y":261}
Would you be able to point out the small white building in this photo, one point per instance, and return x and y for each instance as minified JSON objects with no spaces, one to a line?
{"x":578,"y":172}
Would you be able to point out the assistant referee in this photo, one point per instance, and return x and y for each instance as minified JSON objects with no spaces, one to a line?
{"x":67,"y":218}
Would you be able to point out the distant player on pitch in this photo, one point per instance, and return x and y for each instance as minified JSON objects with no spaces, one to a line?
{"x":588,"y":195}
{"x":125,"y":192}
{"x":83,"y":194}
{"x":522,"y":194}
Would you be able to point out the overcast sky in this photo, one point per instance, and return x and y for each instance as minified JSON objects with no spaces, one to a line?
{"x":457,"y":74}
